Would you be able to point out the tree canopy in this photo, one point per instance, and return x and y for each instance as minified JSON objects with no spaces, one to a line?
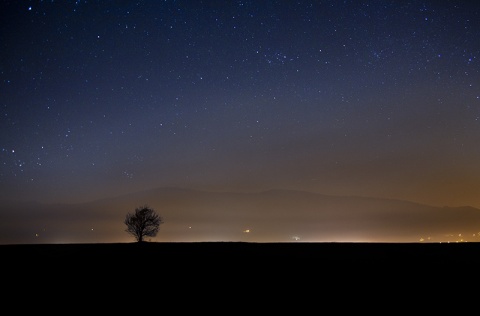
{"x":145,"y":222}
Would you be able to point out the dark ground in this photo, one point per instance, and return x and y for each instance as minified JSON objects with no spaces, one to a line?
{"x":240,"y":272}
{"x":204,"y":252}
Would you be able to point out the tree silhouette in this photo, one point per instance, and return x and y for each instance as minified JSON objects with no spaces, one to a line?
{"x":145,"y":222}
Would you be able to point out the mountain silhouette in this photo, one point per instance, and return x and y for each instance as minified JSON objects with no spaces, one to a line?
{"x":268,"y":216}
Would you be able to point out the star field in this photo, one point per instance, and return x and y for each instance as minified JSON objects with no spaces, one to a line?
{"x":370,"y":98}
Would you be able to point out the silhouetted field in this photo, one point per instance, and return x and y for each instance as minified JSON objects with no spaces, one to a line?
{"x":323,"y":253}
{"x":236,"y":267}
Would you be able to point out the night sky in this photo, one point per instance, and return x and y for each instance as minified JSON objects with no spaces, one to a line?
{"x":351,"y":98}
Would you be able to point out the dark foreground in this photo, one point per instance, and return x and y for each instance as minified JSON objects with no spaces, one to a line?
{"x":241,"y":267}
{"x":204,"y":252}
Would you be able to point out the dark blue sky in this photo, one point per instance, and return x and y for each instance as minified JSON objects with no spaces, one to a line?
{"x":370,"y":98}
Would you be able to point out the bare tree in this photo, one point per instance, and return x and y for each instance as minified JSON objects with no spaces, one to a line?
{"x":145,"y":222}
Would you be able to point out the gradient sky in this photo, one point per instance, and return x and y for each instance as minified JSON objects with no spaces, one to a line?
{"x":367,"y":98}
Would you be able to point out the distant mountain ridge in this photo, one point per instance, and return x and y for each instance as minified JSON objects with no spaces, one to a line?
{"x":267,"y":216}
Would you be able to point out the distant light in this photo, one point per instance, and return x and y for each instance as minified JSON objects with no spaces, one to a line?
{"x":246,"y":231}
